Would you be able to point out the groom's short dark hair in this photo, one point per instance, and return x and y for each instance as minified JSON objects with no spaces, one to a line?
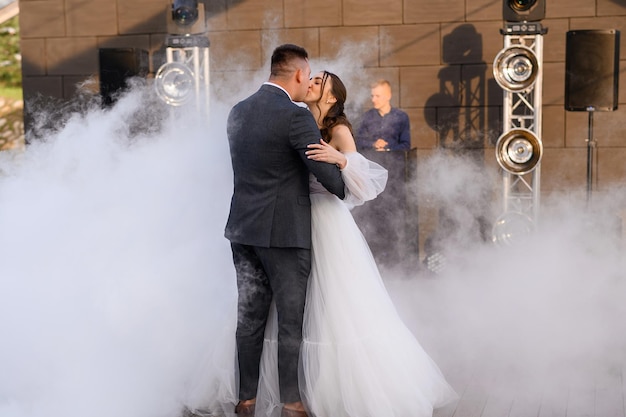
{"x":283,"y":56}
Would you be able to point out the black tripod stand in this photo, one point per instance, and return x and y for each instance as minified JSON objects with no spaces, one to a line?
{"x":591,"y":145}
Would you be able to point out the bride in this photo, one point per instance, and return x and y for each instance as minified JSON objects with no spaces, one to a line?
{"x":358,"y":359}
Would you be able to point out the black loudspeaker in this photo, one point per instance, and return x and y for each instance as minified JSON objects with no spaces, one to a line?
{"x":591,"y":70}
{"x":117,"y":65}
{"x":523,"y":10}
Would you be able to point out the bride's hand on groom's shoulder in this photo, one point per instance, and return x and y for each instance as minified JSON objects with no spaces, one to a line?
{"x":324,"y":152}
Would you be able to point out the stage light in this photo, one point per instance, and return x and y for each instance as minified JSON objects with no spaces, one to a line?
{"x":186,"y":73}
{"x":523,"y":10}
{"x":518,"y":151}
{"x":515,"y":68}
{"x":174,"y":83}
{"x":185,"y":12}
{"x":185,"y":17}
{"x":511,"y":227}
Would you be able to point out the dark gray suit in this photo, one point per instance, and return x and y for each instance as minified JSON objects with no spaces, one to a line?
{"x":269,"y":227}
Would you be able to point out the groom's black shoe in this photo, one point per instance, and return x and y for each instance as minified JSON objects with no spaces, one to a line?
{"x":245,"y":410}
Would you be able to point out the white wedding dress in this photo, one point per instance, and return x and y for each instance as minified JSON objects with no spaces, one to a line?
{"x":358,"y":359}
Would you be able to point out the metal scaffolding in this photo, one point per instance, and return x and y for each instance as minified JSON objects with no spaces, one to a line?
{"x":518,"y":70}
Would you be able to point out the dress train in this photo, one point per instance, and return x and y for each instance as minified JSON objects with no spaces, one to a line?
{"x":358,"y":358}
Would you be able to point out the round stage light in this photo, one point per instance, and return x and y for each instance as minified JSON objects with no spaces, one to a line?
{"x":518,"y":151}
{"x":174,"y":83}
{"x":511,"y":227}
{"x":516,"y":68}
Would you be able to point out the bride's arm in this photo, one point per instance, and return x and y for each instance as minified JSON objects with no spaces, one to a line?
{"x":363,"y":178}
{"x":325,"y":152}
{"x":333,"y":153}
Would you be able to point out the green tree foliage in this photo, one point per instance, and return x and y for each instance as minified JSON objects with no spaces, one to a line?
{"x":10,"y":57}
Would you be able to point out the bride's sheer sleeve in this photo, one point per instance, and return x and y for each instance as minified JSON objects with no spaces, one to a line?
{"x":364,"y":179}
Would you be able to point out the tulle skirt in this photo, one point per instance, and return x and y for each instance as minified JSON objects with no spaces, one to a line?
{"x":358,"y":359}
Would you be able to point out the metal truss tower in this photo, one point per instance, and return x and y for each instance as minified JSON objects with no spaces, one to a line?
{"x":184,"y":78}
{"x":518,"y":70}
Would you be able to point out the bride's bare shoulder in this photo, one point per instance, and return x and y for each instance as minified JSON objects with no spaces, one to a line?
{"x":342,"y":138}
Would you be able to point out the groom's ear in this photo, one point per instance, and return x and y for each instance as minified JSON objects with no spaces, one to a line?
{"x":300,"y":75}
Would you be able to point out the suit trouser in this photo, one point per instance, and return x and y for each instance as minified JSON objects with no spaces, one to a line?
{"x":263,"y":274}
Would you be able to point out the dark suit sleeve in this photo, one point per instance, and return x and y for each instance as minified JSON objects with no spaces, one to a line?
{"x":304,"y":132}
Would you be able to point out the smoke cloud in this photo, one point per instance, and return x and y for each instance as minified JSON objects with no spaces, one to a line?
{"x":531,"y":324}
{"x":117,"y":288}
{"x":115,"y":282}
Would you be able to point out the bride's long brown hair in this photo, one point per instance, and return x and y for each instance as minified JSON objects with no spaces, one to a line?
{"x":336,"y":114}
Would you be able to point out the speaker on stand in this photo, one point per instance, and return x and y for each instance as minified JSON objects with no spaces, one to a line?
{"x":591,"y":79}
{"x":117,"y":65}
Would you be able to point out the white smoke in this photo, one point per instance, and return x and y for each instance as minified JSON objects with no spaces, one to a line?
{"x":531,"y":320}
{"x":115,"y":279}
{"x":117,"y":286}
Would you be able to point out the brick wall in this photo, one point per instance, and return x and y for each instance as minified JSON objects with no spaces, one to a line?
{"x":426,"y":48}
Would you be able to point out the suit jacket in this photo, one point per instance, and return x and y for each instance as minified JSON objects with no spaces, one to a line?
{"x":268,"y":135}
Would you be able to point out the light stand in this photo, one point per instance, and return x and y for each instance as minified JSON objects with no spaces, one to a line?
{"x":591,"y":144}
{"x":517,"y":69}
{"x":184,"y":78}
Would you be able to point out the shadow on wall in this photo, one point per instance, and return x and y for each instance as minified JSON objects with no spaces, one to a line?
{"x":465,"y":98}
{"x":467,"y":120}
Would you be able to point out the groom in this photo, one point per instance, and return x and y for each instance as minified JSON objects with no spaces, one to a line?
{"x":269,"y":225}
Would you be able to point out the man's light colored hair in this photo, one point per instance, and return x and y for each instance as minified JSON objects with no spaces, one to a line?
{"x":381,"y":82}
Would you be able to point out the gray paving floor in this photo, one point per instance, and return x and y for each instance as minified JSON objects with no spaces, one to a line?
{"x":481,"y":395}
